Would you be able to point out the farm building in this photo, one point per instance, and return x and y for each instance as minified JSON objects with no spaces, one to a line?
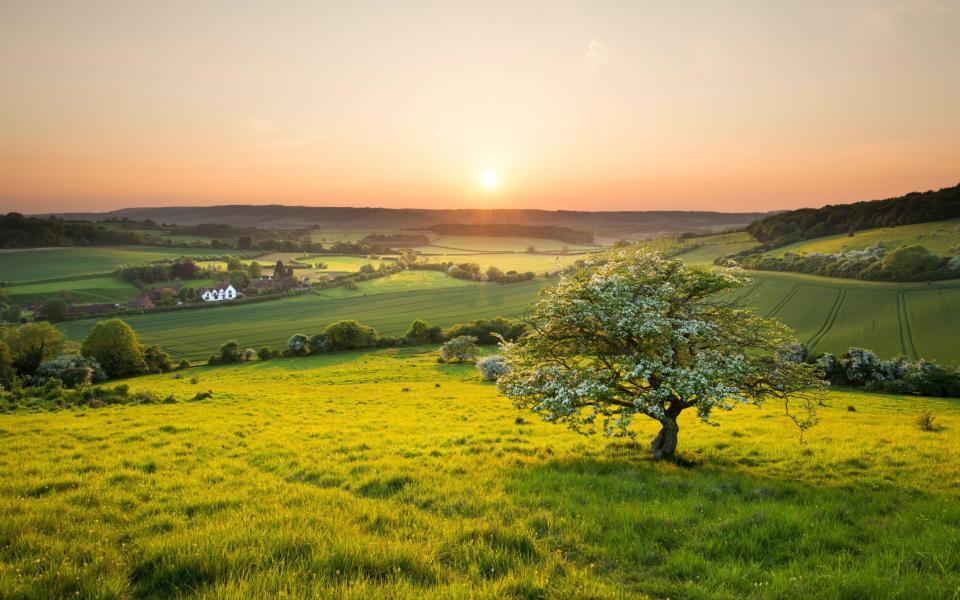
{"x":224,"y":291}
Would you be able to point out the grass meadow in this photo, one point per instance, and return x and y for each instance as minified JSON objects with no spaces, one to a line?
{"x":939,"y":237}
{"x":384,"y":474}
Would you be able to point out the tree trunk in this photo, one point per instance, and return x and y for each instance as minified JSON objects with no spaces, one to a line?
{"x":665,"y":444}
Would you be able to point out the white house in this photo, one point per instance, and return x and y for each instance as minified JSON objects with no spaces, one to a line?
{"x":224,"y":291}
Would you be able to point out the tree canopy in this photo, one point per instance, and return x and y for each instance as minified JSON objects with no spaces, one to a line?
{"x":643,"y":335}
{"x":114,"y":345}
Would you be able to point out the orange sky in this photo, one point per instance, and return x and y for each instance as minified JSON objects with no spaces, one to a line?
{"x":579,"y":105}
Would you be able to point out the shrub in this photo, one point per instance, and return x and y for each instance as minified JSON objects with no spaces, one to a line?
{"x":265,"y":353}
{"x":249,"y":354}
{"x":492,"y":367}
{"x":71,"y":370}
{"x":114,"y":345}
{"x":926,"y":421}
{"x":157,"y":360}
{"x":184,"y":364}
{"x":230,"y":352}
{"x":349,"y":335}
{"x":460,"y":349}
{"x":488,"y":331}
{"x":297,"y":345}
{"x":318,"y":343}
{"x":420,"y":332}
{"x":55,"y":310}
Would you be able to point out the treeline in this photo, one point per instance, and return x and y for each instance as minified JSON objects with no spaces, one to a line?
{"x":861,"y":368}
{"x":351,"y":335}
{"x":907,"y":263}
{"x":807,"y":223}
{"x":548,"y":232}
{"x":396,"y":240}
{"x":34,"y":354}
{"x":160,"y":271}
{"x":473,"y":272}
{"x":18,"y":231}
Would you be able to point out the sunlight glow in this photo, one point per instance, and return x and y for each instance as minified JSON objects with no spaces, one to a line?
{"x":490,"y":179}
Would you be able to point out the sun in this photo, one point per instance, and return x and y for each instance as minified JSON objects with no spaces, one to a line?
{"x":490,"y":179}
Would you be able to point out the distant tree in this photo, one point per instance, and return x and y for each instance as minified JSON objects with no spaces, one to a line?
{"x":32,"y":343}
{"x":114,"y":345}
{"x":7,"y":372}
{"x":55,"y":310}
{"x":157,"y":360}
{"x":12,"y":314}
{"x":249,"y":354}
{"x":244,"y":242}
{"x":297,"y":345}
{"x":279,"y":271}
{"x":265,"y":353}
{"x":531,"y":249}
{"x":461,"y":349}
{"x":350,"y":335}
{"x":230,"y":352}
{"x":72,"y":370}
{"x":184,"y":269}
{"x":640,"y":335}
{"x":234,"y":263}
{"x":318,"y":343}
{"x":493,"y":367}
{"x":493,"y":273}
{"x":910,"y":263}
{"x":254,"y":270}
{"x":421,"y":333}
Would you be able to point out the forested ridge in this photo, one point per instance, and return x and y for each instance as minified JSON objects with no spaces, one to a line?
{"x":808,"y":223}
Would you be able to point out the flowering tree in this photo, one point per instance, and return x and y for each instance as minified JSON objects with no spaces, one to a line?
{"x":640,"y":334}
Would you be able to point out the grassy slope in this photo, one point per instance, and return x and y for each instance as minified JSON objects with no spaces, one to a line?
{"x":709,"y":248}
{"x":522,"y":262}
{"x":387,"y":475}
{"x":197,"y":333}
{"x":940,"y":237}
{"x":81,"y":291}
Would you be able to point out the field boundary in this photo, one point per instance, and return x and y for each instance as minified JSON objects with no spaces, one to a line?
{"x":829,"y":321}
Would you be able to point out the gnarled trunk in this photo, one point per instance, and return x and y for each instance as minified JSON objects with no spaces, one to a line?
{"x":665,"y":444}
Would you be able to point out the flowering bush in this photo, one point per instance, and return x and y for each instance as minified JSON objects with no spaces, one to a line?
{"x":492,"y":367}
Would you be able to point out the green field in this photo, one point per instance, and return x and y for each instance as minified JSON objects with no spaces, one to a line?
{"x":709,"y":248}
{"x":47,"y":264}
{"x":915,"y":319}
{"x":197,"y":333}
{"x":939,"y":237}
{"x":90,"y":290}
{"x":387,"y":475}
{"x":404,"y":281}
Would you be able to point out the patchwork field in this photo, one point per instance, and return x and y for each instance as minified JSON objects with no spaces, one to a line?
{"x":197,"y":333}
{"x":507,"y":261}
{"x":385,"y":475}
{"x":468,"y":243}
{"x":709,"y":248}
{"x":404,"y":281}
{"x":939,"y":237}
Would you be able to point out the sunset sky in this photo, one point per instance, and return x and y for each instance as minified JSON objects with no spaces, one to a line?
{"x":731,"y":106}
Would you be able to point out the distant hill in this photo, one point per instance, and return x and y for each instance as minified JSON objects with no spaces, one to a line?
{"x":635,"y":224}
{"x":808,"y":223}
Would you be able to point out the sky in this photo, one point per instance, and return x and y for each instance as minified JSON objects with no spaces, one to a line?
{"x":729,"y":106}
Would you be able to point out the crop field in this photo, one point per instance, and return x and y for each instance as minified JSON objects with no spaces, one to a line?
{"x":404,"y":281}
{"x":384,"y":475}
{"x":21,"y":266}
{"x":914,"y":319}
{"x":471,"y":244}
{"x":334,"y":263}
{"x":88,"y":290}
{"x":709,"y":248}
{"x":939,"y":237}
{"x":197,"y":333}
